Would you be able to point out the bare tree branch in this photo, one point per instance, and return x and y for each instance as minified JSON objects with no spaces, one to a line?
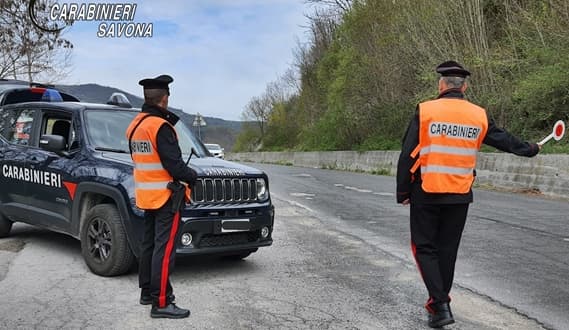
{"x":27,"y":52}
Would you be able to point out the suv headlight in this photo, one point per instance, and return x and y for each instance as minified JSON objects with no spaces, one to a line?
{"x":262,"y":191}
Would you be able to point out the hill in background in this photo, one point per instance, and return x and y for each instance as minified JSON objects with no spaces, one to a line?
{"x":222,"y":132}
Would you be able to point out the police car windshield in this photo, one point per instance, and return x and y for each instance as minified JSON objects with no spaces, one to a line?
{"x":106,"y":130}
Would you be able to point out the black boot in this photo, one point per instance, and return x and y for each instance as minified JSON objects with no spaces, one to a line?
{"x":171,"y":311}
{"x":145,"y":298}
{"x":442,"y":315}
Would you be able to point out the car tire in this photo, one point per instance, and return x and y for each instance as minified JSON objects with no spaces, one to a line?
{"x":240,"y":255}
{"x":5,"y":226}
{"x":104,"y":244}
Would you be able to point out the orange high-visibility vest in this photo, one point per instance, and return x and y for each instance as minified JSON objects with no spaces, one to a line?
{"x":150,"y":177}
{"x":451,"y":132}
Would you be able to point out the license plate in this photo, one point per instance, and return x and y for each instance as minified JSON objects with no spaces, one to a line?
{"x":235,"y":225}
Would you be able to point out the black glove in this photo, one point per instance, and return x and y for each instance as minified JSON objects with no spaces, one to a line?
{"x":178,"y":195}
{"x":192,"y":179}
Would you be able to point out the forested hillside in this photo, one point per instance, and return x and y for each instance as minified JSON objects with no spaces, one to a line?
{"x":223,"y":132}
{"x":355,"y":84}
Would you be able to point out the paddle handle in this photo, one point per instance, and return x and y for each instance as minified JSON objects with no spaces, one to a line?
{"x":547,"y":138}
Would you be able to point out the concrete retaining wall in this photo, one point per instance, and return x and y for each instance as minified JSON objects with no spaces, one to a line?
{"x":548,"y":174}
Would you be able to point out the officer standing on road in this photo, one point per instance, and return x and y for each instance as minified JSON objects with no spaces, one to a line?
{"x":158,"y":165}
{"x":435,"y":173}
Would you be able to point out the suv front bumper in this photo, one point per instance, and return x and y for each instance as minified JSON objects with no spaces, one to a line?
{"x":210,"y":235}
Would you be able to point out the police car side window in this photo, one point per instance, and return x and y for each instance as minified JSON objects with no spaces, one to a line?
{"x":62,"y":126}
{"x":16,"y":125}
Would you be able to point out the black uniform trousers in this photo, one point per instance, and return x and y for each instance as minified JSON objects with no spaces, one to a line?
{"x":157,"y":257}
{"x":436,"y":230}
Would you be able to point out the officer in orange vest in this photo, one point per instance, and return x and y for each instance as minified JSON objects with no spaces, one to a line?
{"x":435,"y":173}
{"x":157,"y":165}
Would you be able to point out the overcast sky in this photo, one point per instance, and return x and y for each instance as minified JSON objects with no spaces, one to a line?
{"x":220,"y":52}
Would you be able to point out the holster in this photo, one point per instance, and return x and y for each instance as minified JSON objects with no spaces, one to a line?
{"x":178,"y":195}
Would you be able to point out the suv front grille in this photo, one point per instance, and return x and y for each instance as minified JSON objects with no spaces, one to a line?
{"x":228,"y":239}
{"x":216,"y":190}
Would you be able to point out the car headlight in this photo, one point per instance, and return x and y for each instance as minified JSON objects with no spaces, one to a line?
{"x":262,"y":191}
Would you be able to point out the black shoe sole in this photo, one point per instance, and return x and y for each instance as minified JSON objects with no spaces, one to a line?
{"x":168,"y":316}
{"x":145,"y":302}
{"x":441,"y":323}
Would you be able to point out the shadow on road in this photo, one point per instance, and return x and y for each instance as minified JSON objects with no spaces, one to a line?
{"x":22,"y":234}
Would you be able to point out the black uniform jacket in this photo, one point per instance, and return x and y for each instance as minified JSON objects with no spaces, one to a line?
{"x":495,"y":137}
{"x":168,"y":147}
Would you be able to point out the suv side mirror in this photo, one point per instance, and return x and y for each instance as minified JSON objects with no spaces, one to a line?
{"x":54,"y":143}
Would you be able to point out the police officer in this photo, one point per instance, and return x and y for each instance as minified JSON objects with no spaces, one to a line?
{"x":158,"y":162}
{"x":435,"y":173}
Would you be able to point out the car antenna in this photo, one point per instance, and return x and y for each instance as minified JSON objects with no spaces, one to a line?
{"x":193,"y":152}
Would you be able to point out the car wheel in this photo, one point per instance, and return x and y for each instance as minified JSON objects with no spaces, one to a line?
{"x":5,"y":226}
{"x":240,"y":255}
{"x":103,"y":242}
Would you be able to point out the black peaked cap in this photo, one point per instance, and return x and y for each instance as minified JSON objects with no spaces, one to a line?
{"x":160,"y":82}
{"x":453,"y":69}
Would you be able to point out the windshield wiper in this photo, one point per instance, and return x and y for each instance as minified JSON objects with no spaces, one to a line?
{"x":112,"y":150}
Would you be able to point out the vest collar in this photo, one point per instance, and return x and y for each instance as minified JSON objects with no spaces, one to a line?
{"x":451,"y":93}
{"x":156,"y":111}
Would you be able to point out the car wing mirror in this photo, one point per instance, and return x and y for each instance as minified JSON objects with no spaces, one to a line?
{"x":54,"y":143}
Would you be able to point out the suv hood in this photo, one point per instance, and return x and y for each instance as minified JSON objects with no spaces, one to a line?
{"x":207,"y":166}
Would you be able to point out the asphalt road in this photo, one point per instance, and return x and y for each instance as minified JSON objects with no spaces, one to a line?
{"x":340,"y":260}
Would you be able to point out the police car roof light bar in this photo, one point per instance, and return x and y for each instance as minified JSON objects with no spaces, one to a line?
{"x":119,"y":99}
{"x":51,"y":95}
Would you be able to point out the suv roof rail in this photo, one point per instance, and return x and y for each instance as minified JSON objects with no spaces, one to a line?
{"x":35,"y":84}
{"x":119,"y":99}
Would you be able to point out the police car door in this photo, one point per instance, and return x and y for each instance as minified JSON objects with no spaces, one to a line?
{"x":16,"y":132}
{"x":54,"y":192}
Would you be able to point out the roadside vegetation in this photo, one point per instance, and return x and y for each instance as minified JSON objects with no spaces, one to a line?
{"x":355,"y":84}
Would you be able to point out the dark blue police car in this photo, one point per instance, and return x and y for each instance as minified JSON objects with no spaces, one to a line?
{"x":65,"y":166}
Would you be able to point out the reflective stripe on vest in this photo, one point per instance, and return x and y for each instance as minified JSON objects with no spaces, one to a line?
{"x":449,"y":150}
{"x":446,"y":169}
{"x":151,"y":185}
{"x":148,"y":166}
{"x":451,"y":132}
{"x":150,"y":177}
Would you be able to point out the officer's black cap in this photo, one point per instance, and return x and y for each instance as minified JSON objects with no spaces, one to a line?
{"x":452,"y":69}
{"x":160,"y":82}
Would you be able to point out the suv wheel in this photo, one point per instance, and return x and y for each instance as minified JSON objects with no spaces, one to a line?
{"x":5,"y":226}
{"x":103,"y":242}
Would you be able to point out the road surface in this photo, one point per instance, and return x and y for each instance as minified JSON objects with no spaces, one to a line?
{"x":341,"y":260}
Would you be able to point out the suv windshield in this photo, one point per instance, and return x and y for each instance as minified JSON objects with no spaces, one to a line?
{"x":106,"y":131}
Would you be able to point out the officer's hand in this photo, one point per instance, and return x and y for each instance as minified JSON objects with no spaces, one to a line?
{"x":539,"y":145}
{"x":406,"y":202}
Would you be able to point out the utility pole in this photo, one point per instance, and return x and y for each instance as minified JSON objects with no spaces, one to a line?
{"x":199,"y":122}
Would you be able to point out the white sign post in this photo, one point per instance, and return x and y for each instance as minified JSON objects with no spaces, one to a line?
{"x":199,"y":122}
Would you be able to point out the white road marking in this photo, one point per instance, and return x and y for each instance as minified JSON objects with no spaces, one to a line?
{"x":338,"y":185}
{"x":358,"y":189}
{"x":301,"y":206}
{"x":303,"y":175}
{"x":302,"y":195}
{"x":384,"y":194}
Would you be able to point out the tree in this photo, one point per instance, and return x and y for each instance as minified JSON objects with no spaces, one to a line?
{"x":27,"y":51}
